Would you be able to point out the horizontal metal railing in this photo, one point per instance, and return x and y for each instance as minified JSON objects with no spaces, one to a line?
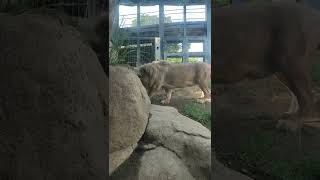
{"x":193,"y":14}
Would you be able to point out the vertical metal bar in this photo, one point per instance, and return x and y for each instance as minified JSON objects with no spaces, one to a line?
{"x":72,"y":8}
{"x":98,"y":7}
{"x":185,"y":40}
{"x":138,"y":35}
{"x":89,"y":8}
{"x":157,"y":49}
{"x":78,"y":13}
{"x":94,"y":9}
{"x":208,"y":39}
{"x":86,"y":10}
{"x":161,"y":29}
{"x":115,"y":18}
{"x":116,"y":15}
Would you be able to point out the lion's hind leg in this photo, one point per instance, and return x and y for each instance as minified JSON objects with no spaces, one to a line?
{"x":294,"y":106}
{"x":298,"y":78}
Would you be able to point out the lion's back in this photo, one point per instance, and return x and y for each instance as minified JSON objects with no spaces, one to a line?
{"x":186,"y":73}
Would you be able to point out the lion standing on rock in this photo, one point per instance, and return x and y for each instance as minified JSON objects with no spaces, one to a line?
{"x":163,"y":75}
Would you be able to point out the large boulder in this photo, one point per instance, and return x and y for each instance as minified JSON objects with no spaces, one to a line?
{"x":128,"y":114}
{"x":92,"y":30}
{"x":94,"y":33}
{"x":173,"y":147}
{"x":53,"y":102}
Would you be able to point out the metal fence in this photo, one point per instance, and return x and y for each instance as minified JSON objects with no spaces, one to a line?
{"x":77,"y":8}
{"x":181,"y":22}
{"x":147,"y":51}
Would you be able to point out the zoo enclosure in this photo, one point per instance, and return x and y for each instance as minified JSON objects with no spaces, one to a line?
{"x":165,"y":30}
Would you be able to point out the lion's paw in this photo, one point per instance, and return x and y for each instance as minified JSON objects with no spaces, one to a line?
{"x":203,"y":100}
{"x":164,"y":102}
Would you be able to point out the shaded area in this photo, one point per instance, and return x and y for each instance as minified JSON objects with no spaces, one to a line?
{"x":53,"y":102}
{"x":246,"y":138}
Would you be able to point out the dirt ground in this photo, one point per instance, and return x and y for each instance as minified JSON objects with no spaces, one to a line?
{"x":245,"y":134}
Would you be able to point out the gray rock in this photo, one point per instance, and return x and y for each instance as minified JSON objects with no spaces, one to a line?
{"x":156,"y":164}
{"x":53,"y":101}
{"x":93,"y":32}
{"x":173,"y":147}
{"x":118,"y":157}
{"x":128,"y":113}
{"x":187,"y":138}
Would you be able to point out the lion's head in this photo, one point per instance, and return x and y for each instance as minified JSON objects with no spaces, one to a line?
{"x":151,"y":75}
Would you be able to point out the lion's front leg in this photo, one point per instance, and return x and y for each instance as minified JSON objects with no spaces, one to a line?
{"x":154,"y":89}
{"x":168,"y":96}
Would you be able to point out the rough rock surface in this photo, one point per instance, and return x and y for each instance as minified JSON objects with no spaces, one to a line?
{"x":173,"y":147}
{"x":93,"y":32}
{"x":118,"y":157}
{"x":128,"y":113}
{"x":53,"y":101}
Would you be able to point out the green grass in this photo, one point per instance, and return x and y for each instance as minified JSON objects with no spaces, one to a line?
{"x":264,"y":151}
{"x":305,"y":169}
{"x":257,"y":152}
{"x":198,"y":112}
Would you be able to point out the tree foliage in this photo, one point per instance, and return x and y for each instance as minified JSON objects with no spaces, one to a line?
{"x":146,"y":19}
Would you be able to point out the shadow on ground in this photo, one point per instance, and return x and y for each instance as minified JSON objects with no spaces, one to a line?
{"x":246,"y":138}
